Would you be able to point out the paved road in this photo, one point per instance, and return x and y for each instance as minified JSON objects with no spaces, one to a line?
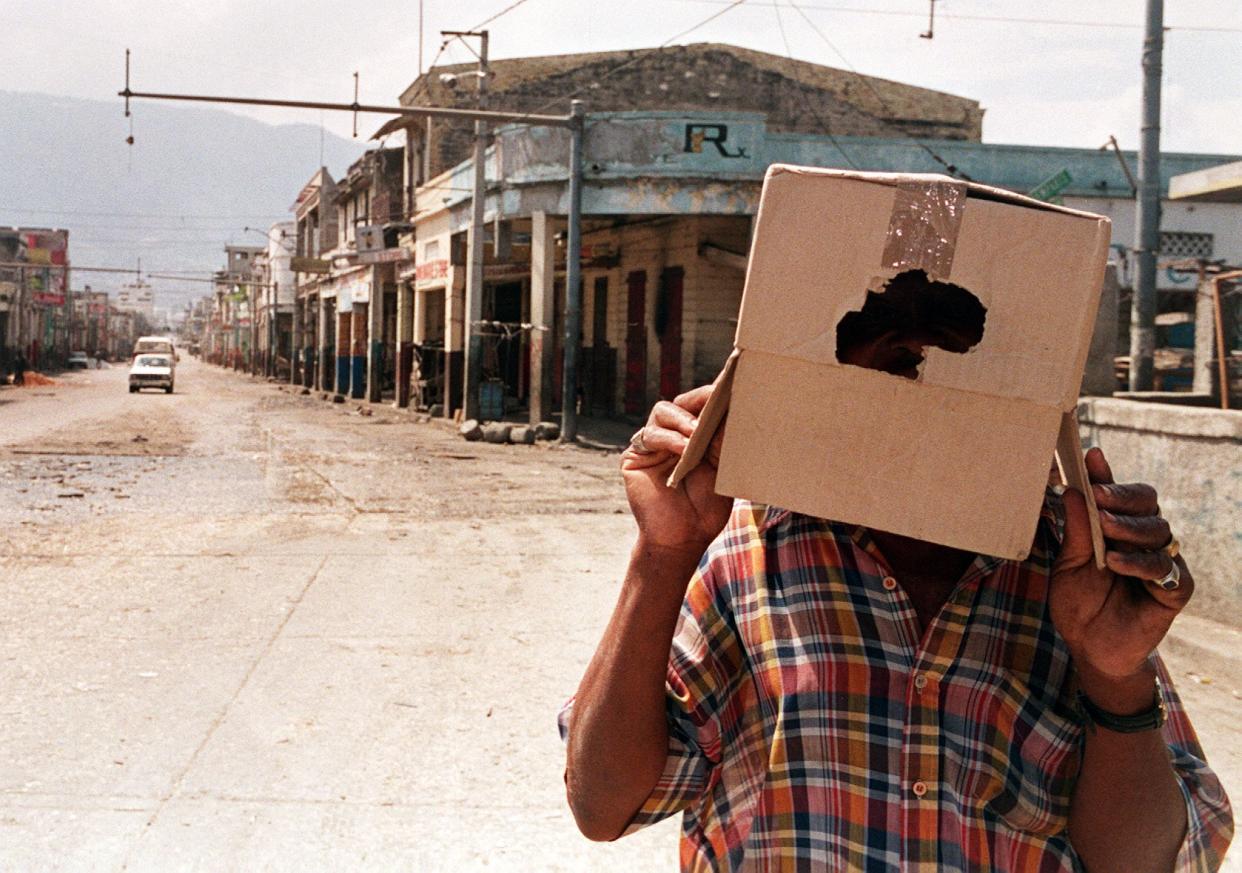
{"x":244,"y":629}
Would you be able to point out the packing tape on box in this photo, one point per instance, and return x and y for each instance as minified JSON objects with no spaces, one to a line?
{"x":922,"y":231}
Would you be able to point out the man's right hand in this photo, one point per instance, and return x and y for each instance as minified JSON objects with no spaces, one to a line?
{"x":687,"y":517}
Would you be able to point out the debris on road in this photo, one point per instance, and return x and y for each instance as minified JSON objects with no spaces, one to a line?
{"x":496,"y":432}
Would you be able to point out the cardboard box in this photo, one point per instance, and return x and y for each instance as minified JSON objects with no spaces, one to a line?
{"x":958,"y":456}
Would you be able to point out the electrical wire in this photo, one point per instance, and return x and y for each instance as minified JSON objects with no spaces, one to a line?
{"x":44,"y":211}
{"x":505,"y":11}
{"x":999,"y":19}
{"x":866,"y":80}
{"x":806,"y":100}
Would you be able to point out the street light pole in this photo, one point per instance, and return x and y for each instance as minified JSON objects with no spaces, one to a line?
{"x":575,"y":122}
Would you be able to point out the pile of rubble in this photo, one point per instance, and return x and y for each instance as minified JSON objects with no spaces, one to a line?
{"x":508,"y":432}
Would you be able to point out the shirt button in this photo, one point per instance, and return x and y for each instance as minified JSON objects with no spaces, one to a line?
{"x":919,"y":788}
{"x":920,"y":681}
{"x":889,"y":583}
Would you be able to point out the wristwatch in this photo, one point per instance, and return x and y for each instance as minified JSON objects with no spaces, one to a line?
{"x":1149,"y":719}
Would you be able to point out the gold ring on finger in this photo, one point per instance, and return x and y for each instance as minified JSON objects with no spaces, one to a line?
{"x":1173,"y":548}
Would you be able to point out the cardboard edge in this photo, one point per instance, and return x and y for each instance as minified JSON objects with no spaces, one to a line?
{"x":1103,"y":240}
{"x":1073,"y":469}
{"x":709,"y":422}
{"x":1001,"y":195}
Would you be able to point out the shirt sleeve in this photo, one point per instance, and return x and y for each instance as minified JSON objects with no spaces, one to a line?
{"x":1209,"y":817}
{"x":696,"y":689}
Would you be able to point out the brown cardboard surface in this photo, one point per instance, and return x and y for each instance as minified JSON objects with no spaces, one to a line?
{"x":868,"y":448}
{"x":1038,"y":273}
{"x":960,"y":455}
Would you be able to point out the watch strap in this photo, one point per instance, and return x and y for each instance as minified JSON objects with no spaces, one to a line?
{"x":1149,"y":719}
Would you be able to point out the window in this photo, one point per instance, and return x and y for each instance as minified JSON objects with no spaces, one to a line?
{"x":1185,"y":244}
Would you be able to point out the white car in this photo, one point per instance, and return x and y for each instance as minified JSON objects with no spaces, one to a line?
{"x":151,"y":371}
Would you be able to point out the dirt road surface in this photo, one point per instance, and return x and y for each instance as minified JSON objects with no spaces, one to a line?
{"x":245,"y":629}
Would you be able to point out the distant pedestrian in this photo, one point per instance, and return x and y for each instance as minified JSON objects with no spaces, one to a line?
{"x":20,"y":366}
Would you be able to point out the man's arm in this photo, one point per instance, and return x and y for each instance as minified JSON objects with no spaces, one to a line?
{"x":618,"y":739}
{"x":1127,"y":813}
{"x":618,"y":732}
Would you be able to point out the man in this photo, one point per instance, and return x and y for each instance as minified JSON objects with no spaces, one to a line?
{"x":846,"y":699}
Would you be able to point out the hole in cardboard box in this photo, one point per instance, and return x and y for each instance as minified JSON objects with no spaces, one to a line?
{"x":899,"y":322}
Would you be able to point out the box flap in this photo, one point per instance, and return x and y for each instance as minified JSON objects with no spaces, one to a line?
{"x":1073,"y":469}
{"x":863,"y":447}
{"x":709,"y":421}
{"x":974,"y":189}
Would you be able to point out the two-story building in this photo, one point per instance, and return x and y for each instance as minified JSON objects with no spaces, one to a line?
{"x":668,"y":202}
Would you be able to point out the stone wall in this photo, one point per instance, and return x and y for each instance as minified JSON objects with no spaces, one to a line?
{"x":1193,"y":457}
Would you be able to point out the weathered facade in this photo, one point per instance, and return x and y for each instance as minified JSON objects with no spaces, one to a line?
{"x":314,"y":316}
{"x":796,"y":96}
{"x":35,"y":307}
{"x":666,"y":232}
{"x":369,"y":212}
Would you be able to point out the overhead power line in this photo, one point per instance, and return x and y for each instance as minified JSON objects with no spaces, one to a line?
{"x":241,"y":216}
{"x":505,"y":11}
{"x":866,"y":80}
{"x":806,"y":99}
{"x":999,"y":19}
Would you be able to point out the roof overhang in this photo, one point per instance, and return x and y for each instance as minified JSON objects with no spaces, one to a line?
{"x":1219,"y":184}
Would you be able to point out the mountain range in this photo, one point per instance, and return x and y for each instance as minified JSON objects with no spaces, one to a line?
{"x":191,"y":181}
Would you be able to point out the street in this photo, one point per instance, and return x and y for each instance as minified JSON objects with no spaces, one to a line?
{"x":250,"y":630}
{"x":245,"y":629}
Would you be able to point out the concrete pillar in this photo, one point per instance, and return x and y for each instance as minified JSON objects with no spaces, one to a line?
{"x":323,"y":371}
{"x":344,"y":349}
{"x":374,"y":347}
{"x":358,"y":350}
{"x":454,"y":354}
{"x":405,"y":342}
{"x":542,"y":316}
{"x":1206,"y":373}
{"x":295,"y":342}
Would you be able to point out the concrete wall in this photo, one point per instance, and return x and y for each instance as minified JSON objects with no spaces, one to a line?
{"x":795,"y":95}
{"x":1218,"y":219}
{"x":1193,"y":457}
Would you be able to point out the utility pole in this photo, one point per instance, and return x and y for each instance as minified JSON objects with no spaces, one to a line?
{"x":1147,"y":216}
{"x":573,"y":278}
{"x":473,"y":369}
{"x":574,"y":122}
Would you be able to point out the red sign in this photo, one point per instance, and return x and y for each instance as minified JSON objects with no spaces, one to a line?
{"x":49,"y":299}
{"x":431,"y":270}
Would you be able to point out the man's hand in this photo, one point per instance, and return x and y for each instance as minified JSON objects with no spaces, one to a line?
{"x":683,"y":518}
{"x":1113,"y":619}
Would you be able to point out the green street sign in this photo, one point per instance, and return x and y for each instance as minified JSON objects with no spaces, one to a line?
{"x":1051,"y":187}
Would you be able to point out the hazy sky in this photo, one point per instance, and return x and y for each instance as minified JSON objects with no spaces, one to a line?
{"x":1045,"y":82}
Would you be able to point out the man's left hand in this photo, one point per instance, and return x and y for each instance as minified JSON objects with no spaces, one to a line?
{"x":1113,"y":619}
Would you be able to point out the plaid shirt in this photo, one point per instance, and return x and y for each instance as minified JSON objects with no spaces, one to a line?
{"x":813,"y":727}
